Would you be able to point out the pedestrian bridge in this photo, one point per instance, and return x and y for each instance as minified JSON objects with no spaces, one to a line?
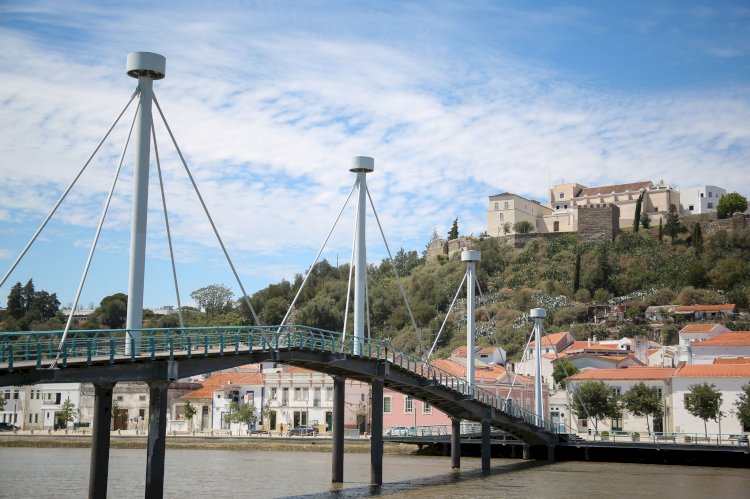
{"x":101,"y":356}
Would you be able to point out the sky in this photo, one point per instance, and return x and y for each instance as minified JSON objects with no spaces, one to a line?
{"x":269,"y":100}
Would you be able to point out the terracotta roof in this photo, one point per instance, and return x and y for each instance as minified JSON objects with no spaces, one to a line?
{"x":625,"y":373}
{"x":731,"y":338}
{"x":732,"y":360}
{"x":607,"y":189}
{"x":705,"y":308}
{"x":713,"y":370}
{"x":459,"y":352}
{"x":296,"y":370}
{"x":220,"y":380}
{"x":487,"y":350}
{"x":699,"y":328}
{"x":552,"y":339}
{"x":481,"y":370}
{"x":584,"y":345}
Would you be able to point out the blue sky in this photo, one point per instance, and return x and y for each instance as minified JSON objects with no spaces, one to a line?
{"x":269,"y":100}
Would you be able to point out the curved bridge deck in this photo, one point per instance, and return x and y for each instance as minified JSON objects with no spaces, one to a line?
{"x":169,"y":354}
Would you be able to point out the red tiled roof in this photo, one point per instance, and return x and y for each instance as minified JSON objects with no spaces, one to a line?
{"x":698,"y":328}
{"x":481,"y":370}
{"x":731,"y":338}
{"x":732,"y":360}
{"x":552,"y":339}
{"x":705,"y":308}
{"x":713,"y":370}
{"x":607,"y":189}
{"x":220,"y":380}
{"x":626,"y":373}
{"x":584,"y":345}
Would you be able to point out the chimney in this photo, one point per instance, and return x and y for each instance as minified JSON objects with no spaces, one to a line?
{"x":589,"y":342}
{"x":640,"y":348}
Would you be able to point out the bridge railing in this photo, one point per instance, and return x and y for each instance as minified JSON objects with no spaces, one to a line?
{"x":114,"y":344}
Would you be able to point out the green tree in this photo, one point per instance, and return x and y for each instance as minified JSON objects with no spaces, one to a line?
{"x":643,"y":400}
{"x":645,"y":220}
{"x":661,"y":230}
{"x":16,"y":306}
{"x":453,"y":233}
{"x":113,"y":310}
{"x":523,"y":227}
{"x":594,"y":400}
{"x":115,"y":413}
{"x":697,"y":239}
{"x":214,"y":298}
{"x":730,"y":204}
{"x":562,"y":371}
{"x":190,"y":412}
{"x":704,"y":402}
{"x":507,"y":227}
{"x":67,"y":413}
{"x":637,"y":217}
{"x":672,"y":227}
{"x":741,"y":406}
{"x":2,"y":402}
{"x":577,"y":273}
{"x":241,"y":413}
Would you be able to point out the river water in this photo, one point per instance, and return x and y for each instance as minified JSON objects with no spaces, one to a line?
{"x":63,"y":473}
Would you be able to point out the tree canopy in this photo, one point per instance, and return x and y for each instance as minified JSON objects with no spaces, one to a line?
{"x":214,"y":298}
{"x":643,"y":400}
{"x":741,"y":406}
{"x":594,"y":400}
{"x":562,"y":371}
{"x":704,"y":402}
{"x":730,"y":204}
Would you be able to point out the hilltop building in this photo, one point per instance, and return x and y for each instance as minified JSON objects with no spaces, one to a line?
{"x":566,"y":201}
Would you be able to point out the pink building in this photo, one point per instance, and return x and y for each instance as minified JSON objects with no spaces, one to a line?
{"x":400,"y":410}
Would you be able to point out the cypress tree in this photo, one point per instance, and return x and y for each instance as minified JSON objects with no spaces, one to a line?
{"x":637,"y":217}
{"x":697,"y":239}
{"x":661,"y":229}
{"x":577,"y":273}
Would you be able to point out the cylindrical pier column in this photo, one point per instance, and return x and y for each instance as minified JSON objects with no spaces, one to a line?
{"x":99,"y":466}
{"x":157,"y":435}
{"x":361,"y":165}
{"x":337,"y":446}
{"x":455,"y":443}
{"x":486,"y":446}
{"x":538,"y":315}
{"x":146,"y":67}
{"x":376,"y":434}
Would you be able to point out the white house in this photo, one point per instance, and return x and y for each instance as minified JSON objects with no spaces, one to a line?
{"x":622,"y":380}
{"x":727,"y":378}
{"x":724,"y":345}
{"x":243,"y":388}
{"x":700,"y":199}
{"x":54,"y":396}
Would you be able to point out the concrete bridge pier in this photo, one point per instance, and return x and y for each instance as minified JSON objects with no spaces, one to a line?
{"x":455,"y":443}
{"x":486,"y":446}
{"x":337,"y":447}
{"x":99,"y":466}
{"x":551,"y":453}
{"x":526,"y":452}
{"x":157,"y":435}
{"x":376,"y":433}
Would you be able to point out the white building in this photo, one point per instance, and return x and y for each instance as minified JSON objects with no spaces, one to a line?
{"x":724,"y":345}
{"x":700,"y":199}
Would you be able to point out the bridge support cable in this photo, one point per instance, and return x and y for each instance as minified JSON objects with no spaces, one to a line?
{"x":99,"y":464}
{"x":157,"y":435}
{"x":322,"y":247}
{"x":447,"y":314}
{"x":94,"y":243}
{"x":376,"y":433}
{"x":208,"y":214}
{"x":65,"y":193}
{"x":455,"y":443}
{"x":349,"y":283}
{"x":513,"y":382}
{"x":337,"y":445}
{"x":398,"y":278}
{"x":169,"y":234}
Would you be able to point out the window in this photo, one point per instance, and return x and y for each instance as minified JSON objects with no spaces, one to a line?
{"x":502,"y":216}
{"x":29,"y":418}
{"x":710,"y":205}
{"x":298,"y":394}
{"x":557,"y":206}
{"x":273,"y":393}
{"x":691,"y":208}
{"x":119,"y":398}
{"x":142,"y":414}
{"x":285,"y":396}
{"x":565,"y":206}
{"x":361,"y":397}
{"x":616,"y":390}
{"x":329,"y":394}
{"x":141,"y":397}
{"x":507,"y":205}
{"x":583,"y":422}
{"x":36,"y":417}
{"x":408,"y":405}
{"x":561,"y":195}
{"x":556,"y":226}
{"x":387,"y":405}
{"x":710,"y":194}
{"x":15,"y":394}
{"x":701,"y":194}
{"x":426,"y":408}
{"x":497,"y":205}
{"x":617,"y":423}
{"x":658,"y":393}
{"x":316,"y":396}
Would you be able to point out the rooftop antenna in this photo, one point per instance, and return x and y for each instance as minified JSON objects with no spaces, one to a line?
{"x":146,"y":67}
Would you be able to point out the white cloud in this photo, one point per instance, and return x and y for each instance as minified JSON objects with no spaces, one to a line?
{"x":268,"y":116}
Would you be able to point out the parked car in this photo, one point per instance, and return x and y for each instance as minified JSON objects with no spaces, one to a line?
{"x":401,"y":431}
{"x":303,"y":430}
{"x":7,"y":427}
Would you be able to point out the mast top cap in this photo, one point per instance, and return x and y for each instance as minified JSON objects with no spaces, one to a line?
{"x":146,"y":64}
{"x":362,"y":164}
{"x":471,"y":256}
